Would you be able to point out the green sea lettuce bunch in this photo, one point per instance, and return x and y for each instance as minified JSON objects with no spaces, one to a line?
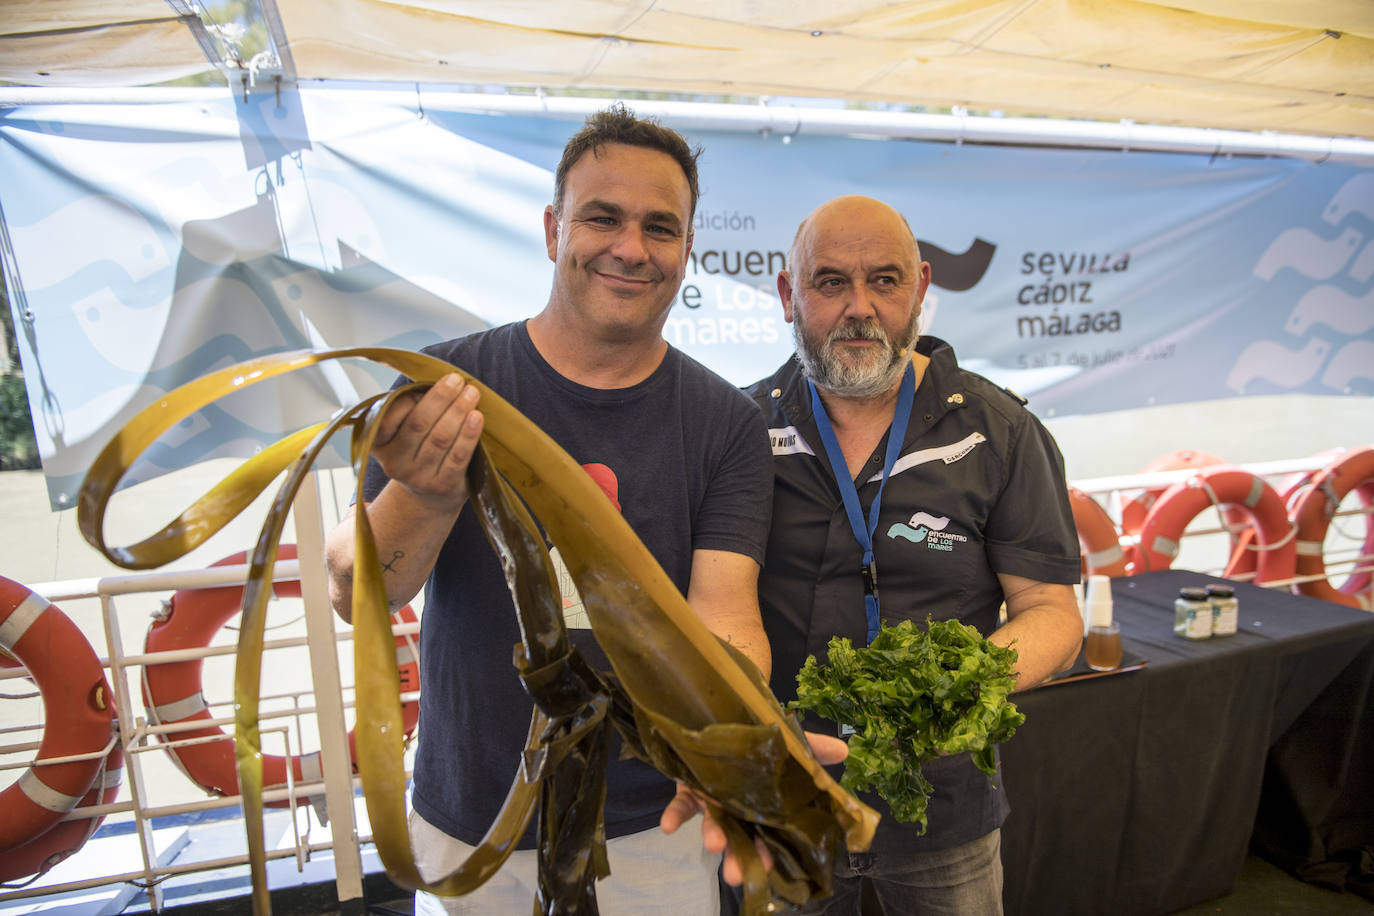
{"x":913,"y":695}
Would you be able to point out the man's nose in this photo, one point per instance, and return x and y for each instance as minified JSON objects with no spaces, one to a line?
{"x":860,"y":303}
{"x":629,"y":246}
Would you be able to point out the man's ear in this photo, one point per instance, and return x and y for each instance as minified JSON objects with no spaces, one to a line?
{"x":785,"y":294}
{"x":551,"y":233}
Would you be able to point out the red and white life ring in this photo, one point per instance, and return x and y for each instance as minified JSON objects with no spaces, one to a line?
{"x":1097,"y":536}
{"x":1242,"y":562}
{"x":1230,"y":486}
{"x":66,"y":838}
{"x":78,"y":718}
{"x":172,"y":690}
{"x":1312,"y":510}
{"x":1133,"y":511}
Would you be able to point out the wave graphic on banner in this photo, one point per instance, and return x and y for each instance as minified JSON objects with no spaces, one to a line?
{"x":1336,"y":318}
{"x":1273,"y":362}
{"x":1308,"y":253}
{"x":1353,"y":362}
{"x":1333,"y":307}
{"x":958,"y":272}
{"x":1355,"y":196}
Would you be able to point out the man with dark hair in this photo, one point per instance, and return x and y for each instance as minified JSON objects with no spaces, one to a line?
{"x":682,"y":454}
{"x":906,"y":487}
{"x":617,"y":124}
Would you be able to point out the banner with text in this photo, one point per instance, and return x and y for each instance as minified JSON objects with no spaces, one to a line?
{"x":145,"y":245}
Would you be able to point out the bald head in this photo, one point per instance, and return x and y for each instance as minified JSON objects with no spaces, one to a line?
{"x":852,"y":291}
{"x":852,"y":210}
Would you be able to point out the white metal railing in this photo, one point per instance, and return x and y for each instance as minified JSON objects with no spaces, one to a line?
{"x":139,"y":737}
{"x":318,"y":709}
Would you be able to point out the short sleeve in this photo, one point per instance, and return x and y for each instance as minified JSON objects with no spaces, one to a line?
{"x":1030,"y":530}
{"x":738,"y":501}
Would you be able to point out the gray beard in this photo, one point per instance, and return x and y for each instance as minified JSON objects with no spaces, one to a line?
{"x":870,"y":379}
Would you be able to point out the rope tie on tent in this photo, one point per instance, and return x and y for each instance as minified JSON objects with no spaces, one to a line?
{"x":682,"y":699}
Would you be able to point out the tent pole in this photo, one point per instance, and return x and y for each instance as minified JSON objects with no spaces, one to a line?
{"x":787,"y":120}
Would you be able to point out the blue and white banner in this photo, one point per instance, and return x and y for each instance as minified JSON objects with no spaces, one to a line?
{"x":147,"y":244}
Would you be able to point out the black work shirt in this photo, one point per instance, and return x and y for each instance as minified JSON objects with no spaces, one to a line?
{"x":978,"y":489}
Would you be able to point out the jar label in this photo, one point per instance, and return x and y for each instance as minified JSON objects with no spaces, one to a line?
{"x":1224,"y":619}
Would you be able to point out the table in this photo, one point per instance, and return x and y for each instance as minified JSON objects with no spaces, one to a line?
{"x":1141,"y":791}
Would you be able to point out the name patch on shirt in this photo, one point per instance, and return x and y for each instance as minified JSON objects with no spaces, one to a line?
{"x":787,"y":441}
{"x":946,"y":453}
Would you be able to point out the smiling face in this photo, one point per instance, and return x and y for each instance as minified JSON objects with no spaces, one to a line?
{"x":620,"y":246}
{"x":853,"y":292}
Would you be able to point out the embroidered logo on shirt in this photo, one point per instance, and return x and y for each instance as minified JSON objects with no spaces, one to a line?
{"x":928,"y":529}
{"x":787,"y":441}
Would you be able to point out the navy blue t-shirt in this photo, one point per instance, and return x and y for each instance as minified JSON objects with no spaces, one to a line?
{"x":685,"y":456}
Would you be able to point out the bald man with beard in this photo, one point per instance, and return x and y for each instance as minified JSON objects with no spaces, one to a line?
{"x":971,"y":512}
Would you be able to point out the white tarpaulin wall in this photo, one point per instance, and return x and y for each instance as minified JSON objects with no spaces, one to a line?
{"x":1300,"y":66}
{"x":148,"y":244}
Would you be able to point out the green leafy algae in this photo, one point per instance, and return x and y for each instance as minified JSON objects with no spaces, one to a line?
{"x":913,"y":695}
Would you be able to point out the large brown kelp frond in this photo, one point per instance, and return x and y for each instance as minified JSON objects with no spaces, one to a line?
{"x":681,"y":698}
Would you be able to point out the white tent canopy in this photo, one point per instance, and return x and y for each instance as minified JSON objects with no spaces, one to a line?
{"x":1278,"y":65}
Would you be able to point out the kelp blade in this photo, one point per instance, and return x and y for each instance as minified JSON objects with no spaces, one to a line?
{"x":667,"y":660}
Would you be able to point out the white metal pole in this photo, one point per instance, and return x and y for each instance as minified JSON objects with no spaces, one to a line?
{"x":788,"y":120}
{"x":324,"y":667}
{"x":129,"y":722}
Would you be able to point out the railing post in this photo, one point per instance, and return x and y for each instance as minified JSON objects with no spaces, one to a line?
{"x":324,"y":667}
{"x":129,"y":724}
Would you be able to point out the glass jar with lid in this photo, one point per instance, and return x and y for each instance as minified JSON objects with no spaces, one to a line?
{"x":1193,"y":613}
{"x":1225,"y":609}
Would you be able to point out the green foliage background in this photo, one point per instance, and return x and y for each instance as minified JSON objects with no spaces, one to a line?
{"x":18,"y":450}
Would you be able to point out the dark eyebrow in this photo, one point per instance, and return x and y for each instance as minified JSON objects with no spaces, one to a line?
{"x":825,"y":271}
{"x":600,"y":206}
{"x":664,"y":217}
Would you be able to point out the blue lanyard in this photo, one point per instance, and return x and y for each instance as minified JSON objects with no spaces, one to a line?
{"x":864,"y":534}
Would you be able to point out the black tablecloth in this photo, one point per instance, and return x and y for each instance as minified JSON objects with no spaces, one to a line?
{"x":1139,"y":792}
